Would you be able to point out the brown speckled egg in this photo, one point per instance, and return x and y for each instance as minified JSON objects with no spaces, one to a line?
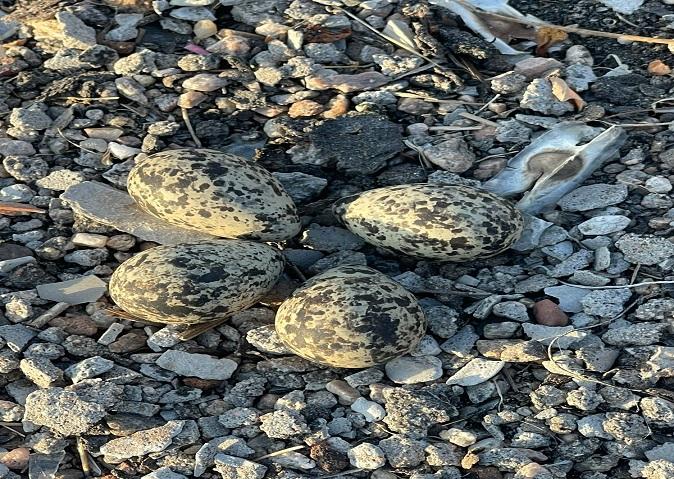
{"x":350,"y":317}
{"x":195,"y":282}
{"x":444,"y":223}
{"x":214,"y":192}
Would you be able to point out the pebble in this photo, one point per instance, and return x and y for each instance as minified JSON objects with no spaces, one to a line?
{"x":451,"y":155}
{"x":563,"y":336}
{"x":231,"y":467}
{"x":31,"y":118}
{"x":538,"y":97}
{"x":645,"y":249}
{"x":513,"y":310}
{"x":205,"y":82}
{"x":16,"y":459}
{"x":595,"y":196}
{"x":163,"y":473}
{"x":372,"y":411}
{"x":549,"y":313}
{"x":202,"y":366}
{"x":330,"y":239}
{"x":60,"y":180}
{"x":192,"y":14}
{"x":414,"y":370}
{"x":301,"y":187}
{"x":41,"y":371}
{"x":126,"y":29}
{"x":477,"y":371}
{"x":204,"y":29}
{"x":626,"y":7}
{"x":367,"y":456}
{"x":63,"y":411}
{"x":141,"y":443}
{"x":658,"y":184}
{"x":305,"y":108}
{"x":345,"y":83}
{"x":76,"y":34}
{"x":347,"y":394}
{"x":88,"y":368}
{"x":603,"y":225}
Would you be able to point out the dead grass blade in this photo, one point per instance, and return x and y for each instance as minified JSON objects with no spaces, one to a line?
{"x":16,"y":209}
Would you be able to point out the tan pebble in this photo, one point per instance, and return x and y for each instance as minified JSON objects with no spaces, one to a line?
{"x":203,"y":384}
{"x":304,"y":108}
{"x":190,"y":99}
{"x":548,"y":313}
{"x":346,"y":393}
{"x":129,"y":342}
{"x":204,"y":29}
{"x":16,"y":459}
{"x":76,"y":324}
{"x":532,"y":471}
{"x":659,"y":68}
{"x":329,"y":79}
{"x":337,"y":107}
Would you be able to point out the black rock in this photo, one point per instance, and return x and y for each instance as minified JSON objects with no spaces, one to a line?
{"x":12,"y":251}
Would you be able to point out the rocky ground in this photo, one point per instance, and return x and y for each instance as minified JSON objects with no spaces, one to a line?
{"x":522,"y":375}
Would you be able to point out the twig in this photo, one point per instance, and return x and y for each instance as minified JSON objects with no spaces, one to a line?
{"x":188,"y":124}
{"x":390,"y":39}
{"x":645,"y":283}
{"x":579,"y":31}
{"x":636,"y":125}
{"x":75,"y":144}
{"x":84,"y":457}
{"x":13,"y":431}
{"x":82,"y":98}
{"x":635,"y":273}
{"x":280,"y":451}
{"x":48,"y":315}
{"x":500,"y":395}
{"x":486,"y":105}
{"x":197,"y":329}
{"x":478,"y":119}
{"x":455,"y":128}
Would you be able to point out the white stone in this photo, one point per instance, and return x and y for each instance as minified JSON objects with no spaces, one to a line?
{"x":372,"y":411}
{"x":202,"y":366}
{"x":86,"y":289}
{"x":367,"y":456}
{"x":604,"y":225}
{"x":563,"y":336}
{"x":111,"y":334}
{"x":413,"y":370}
{"x":658,"y":184}
{"x":476,"y":372}
{"x":122,"y":152}
{"x":89,"y":239}
{"x":626,"y":7}
{"x":8,"y":265}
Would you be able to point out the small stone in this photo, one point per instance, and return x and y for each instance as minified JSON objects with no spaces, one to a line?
{"x":563,"y":336}
{"x":122,"y":152}
{"x":513,"y":310}
{"x":16,"y":336}
{"x":16,"y":459}
{"x":192,"y":14}
{"x":367,"y":456}
{"x":603,"y":225}
{"x":76,"y":34}
{"x":452,"y":155}
{"x":205,"y":82}
{"x":89,"y":368}
{"x":301,"y":187}
{"x":305,"y":108}
{"x":141,"y":443}
{"x":90,"y":240}
{"x":202,"y":366}
{"x":593,"y":197}
{"x":536,"y":67}
{"x":658,"y":184}
{"x":645,"y":249}
{"x":231,"y":467}
{"x":204,"y":29}
{"x":346,"y":393}
{"x":605,"y":303}
{"x":641,"y":334}
{"x":126,"y":29}
{"x":568,"y":296}
{"x":401,"y":451}
{"x":129,"y":342}
{"x":539,"y":97}
{"x":163,"y":473}
{"x":132,"y":90}
{"x":345,"y":83}
{"x":330,"y":238}
{"x":460,"y":437}
{"x":41,"y":371}
{"x":87,"y":289}
{"x":60,"y":180}
{"x":31,"y":118}
{"x":626,"y":7}
{"x":414,"y":370}
{"x":476,"y":372}
{"x":190,"y":99}
{"x":62,"y":411}
{"x":549,"y":313}
{"x":372,"y":411}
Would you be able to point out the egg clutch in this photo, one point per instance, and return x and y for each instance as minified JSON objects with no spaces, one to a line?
{"x":348,"y":316}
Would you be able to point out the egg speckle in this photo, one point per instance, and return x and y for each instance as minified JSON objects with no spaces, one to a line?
{"x":195,"y":282}
{"x":350,"y":317}
{"x":444,"y":223}
{"x":214,"y":192}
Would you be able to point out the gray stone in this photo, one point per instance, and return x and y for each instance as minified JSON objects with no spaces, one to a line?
{"x":76,"y":34}
{"x":300,"y":186}
{"x":414,"y":370}
{"x":266,"y":340}
{"x":626,"y":7}
{"x":86,"y":289}
{"x":126,"y":29}
{"x":563,"y":336}
{"x":579,"y":77}
{"x":18,"y":193}
{"x":577,"y":261}
{"x":163,"y":473}
{"x":539,"y":97}
{"x":202,"y":366}
{"x":401,"y":451}
{"x":41,"y":371}
{"x":283,"y":424}
{"x":603,"y":225}
{"x":605,"y":303}
{"x":141,"y":443}
{"x":89,"y":368}
{"x":60,"y":180}
{"x":477,"y":371}
{"x":451,"y":155}
{"x":115,"y":208}
{"x":640,"y":334}
{"x":231,"y":467}
{"x":16,"y":336}
{"x":461,"y":343}
{"x":30,"y":118}
{"x":372,"y":411}
{"x":511,"y":310}
{"x":63,"y":411}
{"x":593,"y":197}
{"x":367,"y":456}
{"x":645,"y":249}
{"x":9,"y":264}
{"x":330,"y":238}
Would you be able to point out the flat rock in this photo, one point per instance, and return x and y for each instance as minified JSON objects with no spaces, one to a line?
{"x":568,"y":296}
{"x":626,"y":7}
{"x":62,"y":411}
{"x":413,"y":370}
{"x":76,"y":34}
{"x":563,"y":336}
{"x":141,"y":443}
{"x":86,"y":289}
{"x":591,"y":197}
{"x":476,"y":372}
{"x":237,"y":468}
{"x":201,"y":366}
{"x":115,"y":208}
{"x":604,"y":225}
{"x":645,"y":249}
{"x":329,"y":79}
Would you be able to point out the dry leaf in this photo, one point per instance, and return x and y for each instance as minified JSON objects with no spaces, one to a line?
{"x":563,"y":92}
{"x":659,"y":68}
{"x":547,"y":37}
{"x":14,"y":209}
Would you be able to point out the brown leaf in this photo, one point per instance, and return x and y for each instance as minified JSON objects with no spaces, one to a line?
{"x":563,"y":92}
{"x":547,"y":37}
{"x":659,"y":68}
{"x":15,"y":209}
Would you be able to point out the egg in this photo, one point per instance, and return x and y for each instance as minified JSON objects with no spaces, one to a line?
{"x":444,"y":223}
{"x":350,"y":317}
{"x":195,"y":282}
{"x":215,"y":193}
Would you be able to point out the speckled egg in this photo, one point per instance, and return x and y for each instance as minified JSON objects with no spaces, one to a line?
{"x":444,"y":223}
{"x":195,"y":282}
{"x":350,"y":317}
{"x":214,"y":192}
